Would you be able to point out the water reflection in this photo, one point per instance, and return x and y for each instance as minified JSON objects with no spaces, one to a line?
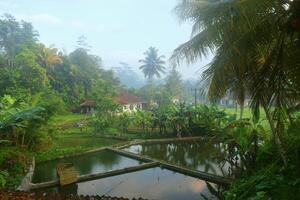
{"x":155,"y":183}
{"x":84,"y":164}
{"x":201,"y":155}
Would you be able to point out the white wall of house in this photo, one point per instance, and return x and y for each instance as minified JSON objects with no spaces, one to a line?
{"x":175,"y":100}
{"x":132,"y":107}
{"x":88,"y":110}
{"x":227,"y":102}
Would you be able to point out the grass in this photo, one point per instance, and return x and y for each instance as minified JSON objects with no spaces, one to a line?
{"x":248,"y":114}
{"x":71,"y":139}
{"x":73,"y":143}
{"x":68,"y":118}
{"x":85,"y":141}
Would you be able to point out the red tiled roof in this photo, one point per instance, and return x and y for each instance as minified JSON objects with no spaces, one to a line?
{"x":127,"y":98}
{"x":91,"y":103}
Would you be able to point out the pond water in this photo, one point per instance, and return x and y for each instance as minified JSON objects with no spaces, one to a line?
{"x":202,"y":155}
{"x":84,"y":164}
{"x":154,"y":183}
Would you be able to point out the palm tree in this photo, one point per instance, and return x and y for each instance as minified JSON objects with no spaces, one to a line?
{"x":153,"y":64}
{"x":256,"y":46}
{"x":47,"y":57}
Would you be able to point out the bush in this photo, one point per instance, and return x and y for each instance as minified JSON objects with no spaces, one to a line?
{"x":51,"y":102}
{"x":13,"y":162}
{"x":270,"y":180}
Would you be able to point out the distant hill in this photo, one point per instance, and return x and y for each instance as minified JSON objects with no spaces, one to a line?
{"x":128,"y":77}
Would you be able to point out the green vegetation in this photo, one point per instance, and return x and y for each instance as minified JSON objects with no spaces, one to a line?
{"x":13,"y":162}
{"x":38,"y":82}
{"x":256,"y":46}
{"x":67,"y":138}
{"x":67,"y":145}
{"x":67,"y":118}
{"x":256,"y":57}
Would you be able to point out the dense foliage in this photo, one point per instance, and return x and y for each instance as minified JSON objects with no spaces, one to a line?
{"x":256,"y":47}
{"x":38,"y":82}
{"x":256,"y":55}
{"x":29,"y":68}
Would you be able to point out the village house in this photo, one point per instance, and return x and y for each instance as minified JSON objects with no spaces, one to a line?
{"x":88,"y":107}
{"x":129,"y":102}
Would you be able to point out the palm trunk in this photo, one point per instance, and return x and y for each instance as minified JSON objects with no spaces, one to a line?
{"x":236,"y":108}
{"x":242,"y":110}
{"x":276,"y":138}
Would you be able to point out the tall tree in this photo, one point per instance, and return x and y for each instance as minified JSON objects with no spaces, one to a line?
{"x":88,"y":67}
{"x":48,"y":57}
{"x":256,"y":46}
{"x":31,"y":76}
{"x":14,"y":34}
{"x":174,"y":84}
{"x":83,"y":44}
{"x":153,"y":64}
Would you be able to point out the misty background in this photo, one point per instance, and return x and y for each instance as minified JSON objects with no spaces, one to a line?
{"x":118,"y":34}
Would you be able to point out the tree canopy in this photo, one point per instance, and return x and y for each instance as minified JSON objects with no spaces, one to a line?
{"x":256,"y":48}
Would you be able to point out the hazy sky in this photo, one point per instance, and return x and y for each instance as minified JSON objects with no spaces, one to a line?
{"x":117,"y":30}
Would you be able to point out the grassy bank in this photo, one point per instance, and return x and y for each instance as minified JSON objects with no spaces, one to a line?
{"x":67,"y":138}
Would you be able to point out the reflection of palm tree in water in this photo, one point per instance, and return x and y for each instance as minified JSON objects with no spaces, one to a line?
{"x":204,"y":155}
{"x":109,"y":159}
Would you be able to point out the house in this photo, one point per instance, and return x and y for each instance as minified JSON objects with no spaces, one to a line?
{"x":227,"y":102}
{"x":129,"y":102}
{"x":88,"y":107}
{"x":175,"y":100}
{"x":230,"y":102}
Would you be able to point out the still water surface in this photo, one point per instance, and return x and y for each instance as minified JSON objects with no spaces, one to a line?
{"x":155,"y":183}
{"x":84,"y":164}
{"x":202,"y":155}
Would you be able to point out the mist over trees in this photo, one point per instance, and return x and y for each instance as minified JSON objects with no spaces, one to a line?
{"x":30,"y":68}
{"x":127,"y":76}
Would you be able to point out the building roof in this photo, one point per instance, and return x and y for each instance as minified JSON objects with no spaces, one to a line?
{"x":90,"y":103}
{"x":127,"y":98}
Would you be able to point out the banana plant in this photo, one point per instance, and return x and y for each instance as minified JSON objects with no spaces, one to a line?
{"x":14,"y":119}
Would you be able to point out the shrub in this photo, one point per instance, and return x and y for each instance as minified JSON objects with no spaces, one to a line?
{"x":13,"y":162}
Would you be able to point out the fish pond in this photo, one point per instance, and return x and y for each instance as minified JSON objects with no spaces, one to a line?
{"x":102,"y":161}
{"x":153,"y":183}
{"x":202,"y":155}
